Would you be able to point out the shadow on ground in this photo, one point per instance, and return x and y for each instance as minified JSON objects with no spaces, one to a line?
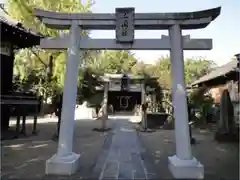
{"x":220,"y":160}
{"x":25,"y":157}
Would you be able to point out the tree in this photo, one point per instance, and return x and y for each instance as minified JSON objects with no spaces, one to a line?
{"x":162,"y":70}
{"x":201,"y":99}
{"x":113,"y":62}
{"x":88,"y":81}
{"x":139,"y":68}
{"x":23,"y":11}
{"x":31,"y":64}
{"x":35,"y":58}
{"x":196,"y":68}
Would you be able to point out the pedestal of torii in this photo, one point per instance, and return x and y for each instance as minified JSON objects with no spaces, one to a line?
{"x":125,"y":21}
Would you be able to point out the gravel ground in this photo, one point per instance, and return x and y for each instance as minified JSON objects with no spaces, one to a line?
{"x":221,"y":161}
{"x":25,"y":157}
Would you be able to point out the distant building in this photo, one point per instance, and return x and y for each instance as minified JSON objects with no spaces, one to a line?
{"x":224,"y":77}
{"x":126,"y":90}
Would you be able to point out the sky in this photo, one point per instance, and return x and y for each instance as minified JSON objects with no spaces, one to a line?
{"x":225,"y":30}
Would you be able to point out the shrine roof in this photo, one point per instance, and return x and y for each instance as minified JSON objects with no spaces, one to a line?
{"x":109,"y":77}
{"x":218,"y":72}
{"x":14,"y":32}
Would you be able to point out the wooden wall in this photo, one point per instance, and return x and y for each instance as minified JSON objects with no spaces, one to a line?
{"x":232,"y":86}
{"x":216,"y":93}
{"x":6,"y":64}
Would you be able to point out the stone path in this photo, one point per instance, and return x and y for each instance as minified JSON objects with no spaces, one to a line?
{"x":25,"y":157}
{"x":116,"y":154}
{"x":124,"y":157}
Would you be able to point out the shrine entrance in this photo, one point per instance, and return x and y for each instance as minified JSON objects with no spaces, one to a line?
{"x":124,"y":100}
{"x":125,"y":21}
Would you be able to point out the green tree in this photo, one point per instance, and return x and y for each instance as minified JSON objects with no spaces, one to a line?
{"x":35,"y":60}
{"x":23,"y":11}
{"x":162,"y":70}
{"x":114,"y":62}
{"x":88,"y":81}
{"x":31,"y":65}
{"x":196,"y":68}
{"x":139,"y":68}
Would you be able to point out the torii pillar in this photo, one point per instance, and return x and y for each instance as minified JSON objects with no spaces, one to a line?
{"x":183,"y":162}
{"x":182,"y":165}
{"x":65,"y":161}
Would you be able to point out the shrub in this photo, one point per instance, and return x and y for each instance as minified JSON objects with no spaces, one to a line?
{"x":200,"y":99}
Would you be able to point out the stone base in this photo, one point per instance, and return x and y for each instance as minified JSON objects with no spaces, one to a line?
{"x":66,"y":165}
{"x":185,"y":169}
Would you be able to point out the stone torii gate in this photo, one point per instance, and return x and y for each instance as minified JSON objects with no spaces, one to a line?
{"x":125,"y":21}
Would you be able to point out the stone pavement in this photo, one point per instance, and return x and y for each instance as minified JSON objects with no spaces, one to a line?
{"x":24,"y":158}
{"x":220,"y":160}
{"x":124,"y":157}
{"x":121,"y":153}
{"x":116,"y":154}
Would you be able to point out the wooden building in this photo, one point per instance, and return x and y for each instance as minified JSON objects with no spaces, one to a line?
{"x":125,"y":91}
{"x":224,"y":77}
{"x":13,"y":37}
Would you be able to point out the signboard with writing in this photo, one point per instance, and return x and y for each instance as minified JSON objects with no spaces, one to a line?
{"x":125,"y":25}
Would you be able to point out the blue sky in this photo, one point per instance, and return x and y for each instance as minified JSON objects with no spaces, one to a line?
{"x":225,"y":30}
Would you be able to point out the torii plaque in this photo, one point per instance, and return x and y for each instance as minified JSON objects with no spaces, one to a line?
{"x":125,"y":25}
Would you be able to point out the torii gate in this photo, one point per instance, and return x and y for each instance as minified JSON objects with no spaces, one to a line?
{"x":125,"y":21}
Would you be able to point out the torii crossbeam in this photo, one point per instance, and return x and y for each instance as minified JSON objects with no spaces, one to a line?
{"x":138,"y":44}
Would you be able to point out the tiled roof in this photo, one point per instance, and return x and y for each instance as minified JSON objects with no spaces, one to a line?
{"x":16,"y":24}
{"x":129,"y":75}
{"x":220,"y":71}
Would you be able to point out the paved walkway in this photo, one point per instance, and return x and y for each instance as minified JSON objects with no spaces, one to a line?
{"x":116,"y":154}
{"x":32,"y":152}
{"x":124,"y":157}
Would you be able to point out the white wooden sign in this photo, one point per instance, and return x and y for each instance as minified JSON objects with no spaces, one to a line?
{"x":125,"y":25}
